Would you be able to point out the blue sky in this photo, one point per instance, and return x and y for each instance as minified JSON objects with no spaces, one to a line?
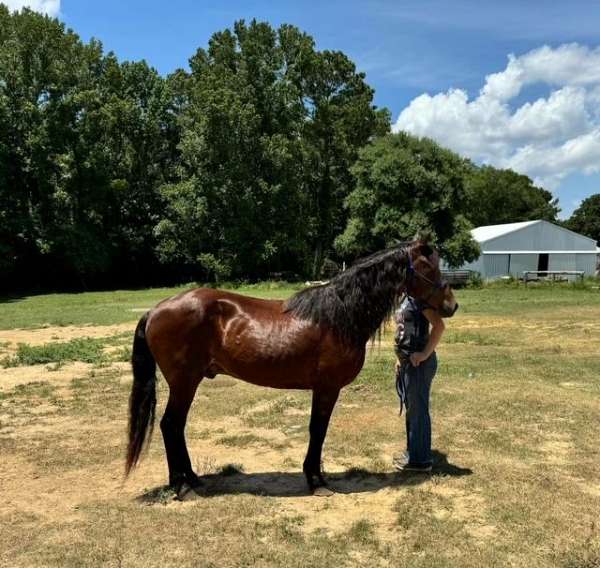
{"x":409,"y":49}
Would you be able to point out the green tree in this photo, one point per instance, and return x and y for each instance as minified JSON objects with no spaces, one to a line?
{"x":127,"y":135}
{"x":586,"y":218}
{"x":341,"y":120}
{"x":407,"y":186}
{"x":234,"y":208}
{"x":497,"y":196}
{"x":85,"y":143}
{"x":42,"y":68}
{"x":269,"y":129}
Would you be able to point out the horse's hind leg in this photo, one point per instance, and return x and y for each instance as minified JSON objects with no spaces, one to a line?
{"x":323,"y":402}
{"x":172,"y":425}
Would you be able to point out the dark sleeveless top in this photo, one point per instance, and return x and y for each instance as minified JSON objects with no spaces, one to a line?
{"x":412,"y":328}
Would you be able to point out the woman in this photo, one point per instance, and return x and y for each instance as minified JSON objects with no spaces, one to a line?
{"x":419,"y":330}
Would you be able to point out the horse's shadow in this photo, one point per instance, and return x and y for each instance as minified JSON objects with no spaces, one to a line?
{"x":293,"y":484}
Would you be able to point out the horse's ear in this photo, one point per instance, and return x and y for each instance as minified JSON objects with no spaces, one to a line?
{"x":421,"y":247}
{"x":423,"y":238}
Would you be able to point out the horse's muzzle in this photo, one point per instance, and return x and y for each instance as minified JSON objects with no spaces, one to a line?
{"x":447,"y":311}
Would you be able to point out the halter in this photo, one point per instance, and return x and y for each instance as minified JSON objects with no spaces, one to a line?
{"x":435,"y":286}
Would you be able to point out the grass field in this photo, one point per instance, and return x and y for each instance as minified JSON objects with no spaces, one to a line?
{"x":516,"y":412}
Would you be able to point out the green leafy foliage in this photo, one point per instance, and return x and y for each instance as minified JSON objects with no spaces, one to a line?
{"x":496,"y":196}
{"x":270,"y":127}
{"x":266,"y":158}
{"x":586,"y":218}
{"x":85,"y":142}
{"x":407,"y":186}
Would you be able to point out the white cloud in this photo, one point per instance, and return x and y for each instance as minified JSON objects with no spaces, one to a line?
{"x":50,"y":7}
{"x":547,"y":138}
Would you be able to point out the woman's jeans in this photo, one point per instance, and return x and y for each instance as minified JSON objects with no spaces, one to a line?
{"x":413,"y":385}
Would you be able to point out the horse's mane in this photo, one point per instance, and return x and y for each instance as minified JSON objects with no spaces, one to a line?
{"x":355,"y":302}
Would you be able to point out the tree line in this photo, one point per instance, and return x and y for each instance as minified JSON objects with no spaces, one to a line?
{"x":265,"y":158}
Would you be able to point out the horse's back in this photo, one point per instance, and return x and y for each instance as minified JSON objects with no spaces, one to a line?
{"x":215,"y":330}
{"x":202,"y":303}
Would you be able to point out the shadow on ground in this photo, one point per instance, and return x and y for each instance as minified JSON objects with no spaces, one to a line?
{"x":293,"y":484}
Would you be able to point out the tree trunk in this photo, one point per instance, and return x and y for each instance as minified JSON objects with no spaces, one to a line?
{"x":317,"y":261}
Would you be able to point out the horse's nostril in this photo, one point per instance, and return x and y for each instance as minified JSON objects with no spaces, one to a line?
{"x":447,"y":311}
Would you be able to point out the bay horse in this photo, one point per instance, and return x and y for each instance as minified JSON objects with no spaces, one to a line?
{"x":315,"y":340}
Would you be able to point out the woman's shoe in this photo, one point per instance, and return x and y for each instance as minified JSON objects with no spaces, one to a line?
{"x":417,"y":467}
{"x":402,"y":463}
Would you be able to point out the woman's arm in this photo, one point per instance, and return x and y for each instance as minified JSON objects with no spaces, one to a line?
{"x":437,"y":330}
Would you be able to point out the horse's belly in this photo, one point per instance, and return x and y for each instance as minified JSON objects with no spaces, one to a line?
{"x":273,"y":361}
{"x":285,"y":373}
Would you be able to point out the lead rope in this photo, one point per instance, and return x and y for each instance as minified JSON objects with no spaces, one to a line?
{"x":400,"y":382}
{"x":401,"y":387}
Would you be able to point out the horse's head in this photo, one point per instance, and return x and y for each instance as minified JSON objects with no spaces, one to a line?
{"x":424,"y":280}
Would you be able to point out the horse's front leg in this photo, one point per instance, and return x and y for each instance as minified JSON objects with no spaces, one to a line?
{"x":323,"y":401}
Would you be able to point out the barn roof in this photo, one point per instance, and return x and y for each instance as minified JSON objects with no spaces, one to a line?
{"x":489,"y":232}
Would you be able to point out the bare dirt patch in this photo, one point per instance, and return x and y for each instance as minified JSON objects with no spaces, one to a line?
{"x":15,"y":376}
{"x":337,"y":514}
{"x":590,"y":488}
{"x":10,"y":338}
{"x":55,"y":375}
{"x":268,"y":472}
{"x":557,"y":449}
{"x":469,"y":508}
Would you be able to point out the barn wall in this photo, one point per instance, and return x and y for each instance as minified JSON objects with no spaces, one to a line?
{"x":495,"y":265}
{"x":475,"y":266}
{"x":587,"y":263}
{"x":561,"y":262}
{"x":540,"y":236}
{"x":522,"y":262}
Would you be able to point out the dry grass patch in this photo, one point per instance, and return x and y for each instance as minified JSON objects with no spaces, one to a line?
{"x":516,"y":418}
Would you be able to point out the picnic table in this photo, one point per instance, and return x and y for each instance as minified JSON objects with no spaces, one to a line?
{"x":552,"y":275}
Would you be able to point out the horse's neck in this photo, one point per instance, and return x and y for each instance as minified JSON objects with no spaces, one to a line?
{"x":368,"y":314}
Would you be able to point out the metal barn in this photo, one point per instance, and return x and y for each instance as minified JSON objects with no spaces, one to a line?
{"x":512,"y":248}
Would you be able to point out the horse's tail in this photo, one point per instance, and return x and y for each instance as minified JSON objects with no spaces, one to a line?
{"x":142,"y":401}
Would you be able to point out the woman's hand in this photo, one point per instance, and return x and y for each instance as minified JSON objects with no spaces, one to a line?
{"x":417,"y":358}
{"x":397,"y":366}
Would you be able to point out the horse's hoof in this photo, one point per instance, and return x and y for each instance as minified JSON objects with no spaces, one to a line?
{"x":322,"y":491}
{"x":186,"y":492}
{"x":194,"y":481}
